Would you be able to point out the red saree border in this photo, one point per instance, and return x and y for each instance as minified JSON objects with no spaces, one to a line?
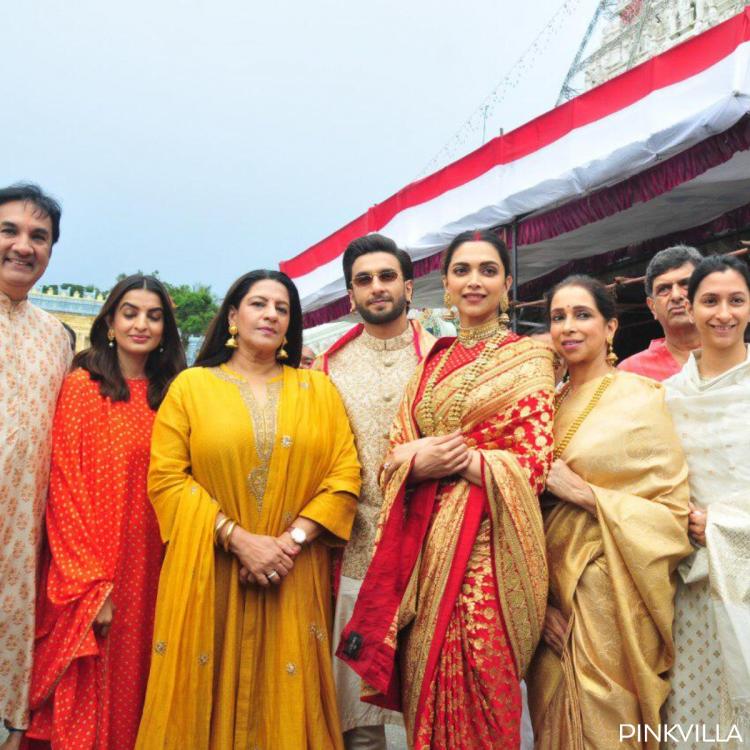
{"x":382,"y":591}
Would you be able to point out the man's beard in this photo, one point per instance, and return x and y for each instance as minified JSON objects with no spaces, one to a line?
{"x":387,"y":316}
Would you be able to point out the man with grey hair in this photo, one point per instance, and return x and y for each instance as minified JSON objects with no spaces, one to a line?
{"x":667,"y":277}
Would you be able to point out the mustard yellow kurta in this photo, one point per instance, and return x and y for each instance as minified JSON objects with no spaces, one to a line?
{"x":613,"y":576}
{"x":235,"y":667}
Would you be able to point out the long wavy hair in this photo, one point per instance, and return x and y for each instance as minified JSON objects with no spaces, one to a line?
{"x":100,"y":359}
{"x":214,"y":351}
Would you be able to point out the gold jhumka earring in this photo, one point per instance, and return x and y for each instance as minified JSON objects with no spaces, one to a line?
{"x":111,"y":338}
{"x":449,"y":314}
{"x":504,"y":318}
{"x":282,"y":353}
{"x":611,"y":356}
{"x":232,"y":340}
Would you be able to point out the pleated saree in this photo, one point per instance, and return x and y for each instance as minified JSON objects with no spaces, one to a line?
{"x":613,"y":576}
{"x":453,"y":603}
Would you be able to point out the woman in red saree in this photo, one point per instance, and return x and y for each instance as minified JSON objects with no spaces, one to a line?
{"x":100,"y":568}
{"x":453,"y":603}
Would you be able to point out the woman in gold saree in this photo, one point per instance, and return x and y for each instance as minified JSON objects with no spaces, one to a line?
{"x":253,"y":472}
{"x":453,"y":602}
{"x":614,"y":540}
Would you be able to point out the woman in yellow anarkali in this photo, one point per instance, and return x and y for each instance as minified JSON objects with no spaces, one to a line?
{"x":614,"y":540}
{"x":253,"y":472}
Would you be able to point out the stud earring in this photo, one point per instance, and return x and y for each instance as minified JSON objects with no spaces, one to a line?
{"x":111,"y":338}
{"x":231,"y":342}
{"x":282,"y":353}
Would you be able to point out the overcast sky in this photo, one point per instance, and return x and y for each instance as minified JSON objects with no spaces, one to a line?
{"x":204,"y":139}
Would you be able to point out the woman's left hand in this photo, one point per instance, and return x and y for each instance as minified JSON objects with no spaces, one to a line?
{"x":555,"y":629}
{"x":697,"y":524}
{"x":564,"y":483}
{"x":402,"y":454}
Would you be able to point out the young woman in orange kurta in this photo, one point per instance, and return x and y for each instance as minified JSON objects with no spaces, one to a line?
{"x":101,"y":565}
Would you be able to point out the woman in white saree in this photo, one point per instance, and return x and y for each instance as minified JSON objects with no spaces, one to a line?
{"x":710,"y":404}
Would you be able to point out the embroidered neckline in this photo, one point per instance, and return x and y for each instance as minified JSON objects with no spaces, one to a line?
{"x":382,"y":345}
{"x":264,"y":427}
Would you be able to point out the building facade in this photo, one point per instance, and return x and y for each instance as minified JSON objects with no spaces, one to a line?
{"x":76,"y":311}
{"x":637,"y":30}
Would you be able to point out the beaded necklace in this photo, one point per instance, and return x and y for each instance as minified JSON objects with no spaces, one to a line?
{"x":578,"y":421}
{"x":494,"y":333}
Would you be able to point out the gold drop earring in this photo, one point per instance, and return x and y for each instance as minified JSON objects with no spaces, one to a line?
{"x":111,"y":338}
{"x":449,"y":313}
{"x":611,"y":356}
{"x":504,"y":318}
{"x":232,"y":340}
{"x":282,"y":353}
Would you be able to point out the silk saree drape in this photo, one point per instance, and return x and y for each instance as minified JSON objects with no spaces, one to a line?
{"x":237,"y":667}
{"x":453,"y":603}
{"x":613,"y":576}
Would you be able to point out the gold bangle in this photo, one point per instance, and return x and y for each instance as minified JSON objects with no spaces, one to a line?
{"x":232,"y":526}
{"x":219,"y":526}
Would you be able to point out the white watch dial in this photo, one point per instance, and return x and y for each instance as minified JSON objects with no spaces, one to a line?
{"x":298,"y":535}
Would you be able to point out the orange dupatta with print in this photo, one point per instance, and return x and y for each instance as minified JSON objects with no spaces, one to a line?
{"x":428,"y":539}
{"x":103,"y":540}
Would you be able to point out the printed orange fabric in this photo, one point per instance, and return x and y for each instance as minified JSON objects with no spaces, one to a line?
{"x":103,"y":539}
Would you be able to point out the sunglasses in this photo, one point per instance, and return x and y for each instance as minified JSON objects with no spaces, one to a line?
{"x":363,"y":280}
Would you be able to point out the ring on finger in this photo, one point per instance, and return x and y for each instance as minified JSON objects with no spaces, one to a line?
{"x":272,"y":574}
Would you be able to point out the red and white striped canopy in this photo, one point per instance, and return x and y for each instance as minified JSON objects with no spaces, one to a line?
{"x":660,"y":149}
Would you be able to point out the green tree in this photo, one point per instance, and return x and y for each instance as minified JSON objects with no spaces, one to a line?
{"x":73,"y":289}
{"x":194,"y":307}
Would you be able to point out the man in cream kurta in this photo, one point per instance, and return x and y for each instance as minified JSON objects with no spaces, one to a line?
{"x":34,"y":357}
{"x":370,"y":366}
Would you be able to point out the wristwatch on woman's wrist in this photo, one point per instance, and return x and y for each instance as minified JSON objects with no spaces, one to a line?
{"x":299,"y":536}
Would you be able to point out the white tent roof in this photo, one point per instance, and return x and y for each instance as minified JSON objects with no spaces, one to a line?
{"x":556,"y":172}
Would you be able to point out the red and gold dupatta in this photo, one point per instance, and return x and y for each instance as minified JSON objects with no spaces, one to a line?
{"x":427,"y":532}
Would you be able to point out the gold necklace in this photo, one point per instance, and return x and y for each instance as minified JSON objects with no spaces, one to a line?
{"x":426,"y":409}
{"x":469,"y":337}
{"x":578,"y":421}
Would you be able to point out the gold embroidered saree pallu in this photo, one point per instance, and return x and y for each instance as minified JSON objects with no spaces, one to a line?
{"x":613,"y":576}
{"x":453,"y":603}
